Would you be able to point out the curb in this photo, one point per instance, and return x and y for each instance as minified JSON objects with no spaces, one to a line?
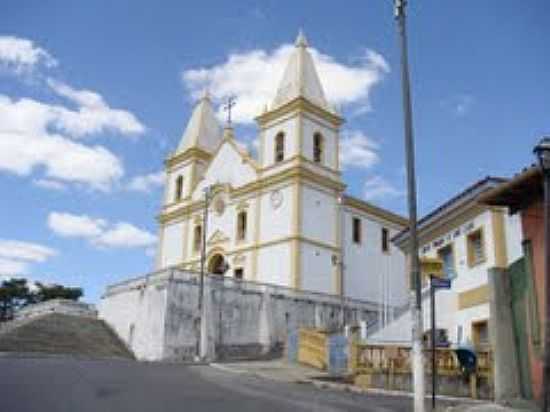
{"x":46,"y":355}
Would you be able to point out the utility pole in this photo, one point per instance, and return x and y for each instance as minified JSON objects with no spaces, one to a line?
{"x":416,"y":296}
{"x":199,"y":352}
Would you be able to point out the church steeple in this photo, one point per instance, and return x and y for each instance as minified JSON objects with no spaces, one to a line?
{"x":300,"y":78}
{"x":203,"y":130}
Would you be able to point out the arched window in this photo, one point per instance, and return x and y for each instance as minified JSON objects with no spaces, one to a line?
{"x":318,"y":147}
{"x":197,"y":238}
{"x":279,"y":147}
{"x":179,"y":188}
{"x":241,"y":226}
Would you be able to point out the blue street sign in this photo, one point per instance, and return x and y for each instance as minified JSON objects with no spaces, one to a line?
{"x":441,"y":283}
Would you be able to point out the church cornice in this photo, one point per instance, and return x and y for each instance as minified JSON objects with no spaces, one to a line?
{"x":294,"y":174}
{"x":370,"y":209}
{"x":191,"y":153}
{"x":299,"y":104}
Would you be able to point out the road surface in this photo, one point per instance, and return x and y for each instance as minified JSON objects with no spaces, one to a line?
{"x":72,"y":385}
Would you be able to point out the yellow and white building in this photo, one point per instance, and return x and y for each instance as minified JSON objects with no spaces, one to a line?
{"x":282,"y":218}
{"x":472,"y":240}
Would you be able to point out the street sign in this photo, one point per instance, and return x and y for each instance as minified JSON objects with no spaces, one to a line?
{"x":431,"y":267}
{"x":440,"y":283}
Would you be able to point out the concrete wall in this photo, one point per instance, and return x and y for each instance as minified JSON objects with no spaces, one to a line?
{"x":157,"y":315}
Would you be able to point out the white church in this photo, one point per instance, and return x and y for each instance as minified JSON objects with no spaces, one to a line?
{"x":282,"y":218}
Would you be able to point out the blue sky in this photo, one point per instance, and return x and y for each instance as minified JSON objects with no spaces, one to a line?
{"x":94,"y":95}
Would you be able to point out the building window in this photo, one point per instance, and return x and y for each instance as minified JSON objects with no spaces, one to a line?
{"x":356,"y":230}
{"x":179,"y":188}
{"x":241,"y":226}
{"x":447,"y":256}
{"x":385,"y":240}
{"x":317,"y":148}
{"x":197,"y":238}
{"x":480,"y":333}
{"x":476,"y":250}
{"x":280,"y":147}
{"x":239,"y":273}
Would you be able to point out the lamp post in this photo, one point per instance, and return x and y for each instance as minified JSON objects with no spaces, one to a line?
{"x":200,"y":353}
{"x":416,"y":296}
{"x":542,"y":151}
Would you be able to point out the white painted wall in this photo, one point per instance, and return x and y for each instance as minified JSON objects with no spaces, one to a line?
{"x":318,"y":273}
{"x":172,"y":244}
{"x":288,"y":127}
{"x":319,"y":215}
{"x":227,"y":167}
{"x":275,"y":223}
{"x":514,"y":237}
{"x":145,"y":310}
{"x":330,"y":141}
{"x":274,"y":264}
{"x":371,"y":273}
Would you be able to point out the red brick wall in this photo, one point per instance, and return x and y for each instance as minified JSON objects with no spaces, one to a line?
{"x":533,"y":230}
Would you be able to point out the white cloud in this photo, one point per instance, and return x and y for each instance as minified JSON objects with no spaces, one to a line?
{"x":253,"y":77}
{"x":50,"y":184}
{"x":125,"y":235}
{"x":377,"y":187}
{"x":27,"y":143}
{"x":99,"y":232}
{"x":69,"y":225}
{"x":93,"y":116}
{"x":38,"y":136}
{"x":22,"y":55}
{"x":357,"y":150}
{"x":16,"y":256}
{"x":148,"y":182}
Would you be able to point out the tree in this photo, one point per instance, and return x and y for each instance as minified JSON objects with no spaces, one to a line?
{"x":15,"y":294}
{"x":54,"y":291}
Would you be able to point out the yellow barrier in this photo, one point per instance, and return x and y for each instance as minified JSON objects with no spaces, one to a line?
{"x":312,"y":348}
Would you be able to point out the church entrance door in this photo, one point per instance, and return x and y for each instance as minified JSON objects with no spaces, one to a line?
{"x":217,"y":265}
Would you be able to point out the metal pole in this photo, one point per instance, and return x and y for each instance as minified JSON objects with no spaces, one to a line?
{"x":201,"y":281}
{"x":416,"y":297}
{"x":434,"y":367}
{"x":546,"y":370}
{"x":341,"y":263}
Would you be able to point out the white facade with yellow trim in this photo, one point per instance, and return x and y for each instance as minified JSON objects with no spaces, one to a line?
{"x":471,"y":239}
{"x":284,"y":218}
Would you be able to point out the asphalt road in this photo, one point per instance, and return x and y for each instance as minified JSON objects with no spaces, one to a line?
{"x":71,"y":385}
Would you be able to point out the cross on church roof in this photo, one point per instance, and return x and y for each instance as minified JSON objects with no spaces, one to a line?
{"x":228,"y":106}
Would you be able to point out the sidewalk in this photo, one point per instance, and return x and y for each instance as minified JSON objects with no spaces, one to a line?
{"x":283,"y":371}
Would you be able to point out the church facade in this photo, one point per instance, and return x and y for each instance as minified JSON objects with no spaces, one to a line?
{"x":282,"y":218}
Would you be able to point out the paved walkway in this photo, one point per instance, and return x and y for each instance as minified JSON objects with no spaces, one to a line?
{"x":283,"y":371}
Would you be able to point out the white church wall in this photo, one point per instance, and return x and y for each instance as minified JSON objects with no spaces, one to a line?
{"x":319,"y":215}
{"x":172,"y":244}
{"x":276,"y":213}
{"x":288,"y":127}
{"x":330,"y":138}
{"x":371,"y":273}
{"x":227,"y":167}
{"x":317,"y":269}
{"x":274,"y":264}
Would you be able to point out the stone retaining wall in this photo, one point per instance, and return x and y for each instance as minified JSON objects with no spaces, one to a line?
{"x":156,"y":315}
